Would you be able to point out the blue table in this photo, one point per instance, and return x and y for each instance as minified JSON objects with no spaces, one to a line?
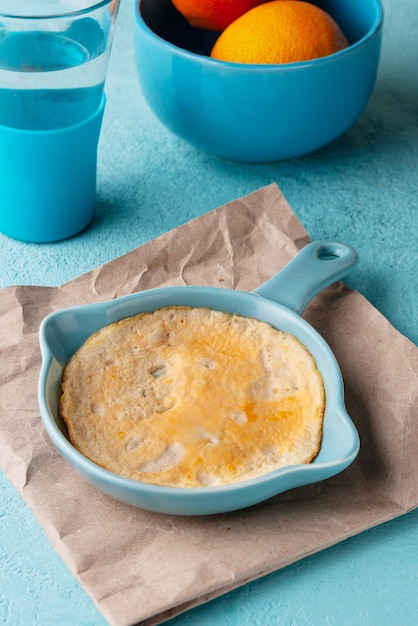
{"x":362,"y":189}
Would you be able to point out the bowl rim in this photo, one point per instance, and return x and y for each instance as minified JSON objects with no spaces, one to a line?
{"x":268,"y":67}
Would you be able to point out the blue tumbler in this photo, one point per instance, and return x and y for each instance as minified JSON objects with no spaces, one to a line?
{"x":53,"y":64}
{"x":48,"y":180}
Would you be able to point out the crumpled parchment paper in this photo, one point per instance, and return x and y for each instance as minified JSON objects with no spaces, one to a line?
{"x":142,"y":567}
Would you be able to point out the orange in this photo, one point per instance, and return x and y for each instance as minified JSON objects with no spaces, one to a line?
{"x":282,"y":31}
{"x":213,"y":14}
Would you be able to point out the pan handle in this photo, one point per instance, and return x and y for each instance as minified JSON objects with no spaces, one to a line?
{"x":315,"y":267}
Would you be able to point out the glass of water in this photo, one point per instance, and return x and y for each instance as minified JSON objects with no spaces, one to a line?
{"x":53,"y":61}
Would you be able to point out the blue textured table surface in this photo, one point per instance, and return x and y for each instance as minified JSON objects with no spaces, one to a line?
{"x":362,"y":189}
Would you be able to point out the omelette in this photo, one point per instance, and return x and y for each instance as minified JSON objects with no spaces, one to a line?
{"x":193,"y":397}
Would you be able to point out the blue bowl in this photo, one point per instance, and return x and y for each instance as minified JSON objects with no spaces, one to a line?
{"x":278,"y":302}
{"x":255,"y":113}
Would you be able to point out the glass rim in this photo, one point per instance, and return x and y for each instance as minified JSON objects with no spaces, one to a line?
{"x":58,"y":14}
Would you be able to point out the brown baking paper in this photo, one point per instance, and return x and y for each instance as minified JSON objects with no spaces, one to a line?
{"x":142,"y":567}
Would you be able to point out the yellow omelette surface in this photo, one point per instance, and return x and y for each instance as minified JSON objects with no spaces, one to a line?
{"x":192,"y":397}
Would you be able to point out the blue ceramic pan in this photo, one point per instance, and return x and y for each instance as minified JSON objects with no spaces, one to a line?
{"x":280,"y":301}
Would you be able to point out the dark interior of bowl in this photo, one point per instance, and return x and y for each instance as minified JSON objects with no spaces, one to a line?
{"x":355,"y":17}
{"x":165,"y":21}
